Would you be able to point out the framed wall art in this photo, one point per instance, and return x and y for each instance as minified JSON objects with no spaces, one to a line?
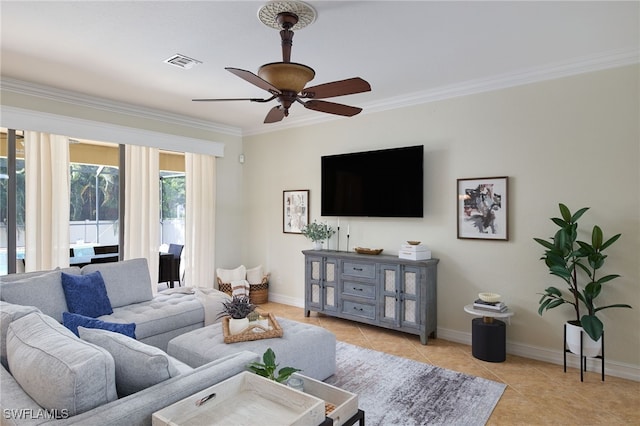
{"x":295,"y":210}
{"x":482,"y":208}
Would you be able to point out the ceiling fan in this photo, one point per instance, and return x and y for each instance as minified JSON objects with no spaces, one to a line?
{"x":286,"y":80}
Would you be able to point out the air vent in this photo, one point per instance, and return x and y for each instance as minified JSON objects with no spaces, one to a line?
{"x":182,"y":61}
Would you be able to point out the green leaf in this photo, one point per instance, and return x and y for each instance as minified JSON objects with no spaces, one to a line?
{"x":285,"y":372}
{"x":596,"y":237}
{"x":269,"y":357}
{"x":610,"y":241}
{"x":592,"y":326}
{"x":577,"y":215}
{"x":554,"y":291}
{"x":607,"y":278}
{"x":564,"y":211}
{"x":615,"y":305}
{"x":561,"y":223}
{"x":546,"y":244}
{"x":560,"y":271}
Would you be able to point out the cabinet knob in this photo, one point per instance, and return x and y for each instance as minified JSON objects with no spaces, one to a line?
{"x":358,"y":289}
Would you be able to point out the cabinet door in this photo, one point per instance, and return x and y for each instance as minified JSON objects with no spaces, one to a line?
{"x":330,"y":285}
{"x":321,"y":283}
{"x":313,"y":292}
{"x":410,"y":297}
{"x":390,"y":291}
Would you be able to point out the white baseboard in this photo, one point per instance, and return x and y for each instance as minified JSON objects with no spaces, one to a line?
{"x":611,"y":368}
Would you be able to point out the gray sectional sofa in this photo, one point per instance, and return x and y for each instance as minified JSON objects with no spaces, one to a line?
{"x":47,"y":371}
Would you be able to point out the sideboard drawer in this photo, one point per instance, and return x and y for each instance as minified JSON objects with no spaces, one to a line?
{"x":364,"y":270}
{"x":359,"y":309}
{"x":352,"y":288}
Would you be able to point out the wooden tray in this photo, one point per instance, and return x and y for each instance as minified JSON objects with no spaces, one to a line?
{"x":253,"y":332}
{"x":364,"y":250}
{"x":244,"y":399}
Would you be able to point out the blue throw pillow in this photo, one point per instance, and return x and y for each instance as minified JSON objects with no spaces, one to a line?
{"x":73,"y":321}
{"x":86,"y":294}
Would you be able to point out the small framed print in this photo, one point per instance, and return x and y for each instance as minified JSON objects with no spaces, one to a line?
{"x":295,"y":211}
{"x":482,"y":208}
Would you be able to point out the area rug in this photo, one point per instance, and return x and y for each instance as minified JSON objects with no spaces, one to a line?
{"x":399,"y":391}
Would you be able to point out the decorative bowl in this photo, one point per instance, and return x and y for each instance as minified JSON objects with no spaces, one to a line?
{"x":489,"y":297}
{"x":414,"y":243}
{"x":365,"y":250}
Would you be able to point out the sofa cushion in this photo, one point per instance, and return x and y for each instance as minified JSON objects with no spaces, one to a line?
{"x":9,"y":313}
{"x":228,"y":275}
{"x":58,"y":370}
{"x":73,"y":321}
{"x":86,"y":294}
{"x":127,"y":282}
{"x":165,"y":312}
{"x":138,"y":366}
{"x":43,"y":291}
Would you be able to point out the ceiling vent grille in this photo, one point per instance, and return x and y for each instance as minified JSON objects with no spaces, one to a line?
{"x":182,"y":61}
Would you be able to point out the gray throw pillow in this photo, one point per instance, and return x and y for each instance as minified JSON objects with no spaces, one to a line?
{"x":9,"y":313}
{"x":57,"y":369}
{"x":138,"y":366}
{"x":43,"y":291}
{"x":127,"y":282}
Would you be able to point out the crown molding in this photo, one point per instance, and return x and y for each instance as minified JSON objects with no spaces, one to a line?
{"x":86,"y":101}
{"x":576,"y":66}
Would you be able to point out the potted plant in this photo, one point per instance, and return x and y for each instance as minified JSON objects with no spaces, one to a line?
{"x":318,"y":233}
{"x":238,"y":308}
{"x":578,"y":264}
{"x":267,"y":368}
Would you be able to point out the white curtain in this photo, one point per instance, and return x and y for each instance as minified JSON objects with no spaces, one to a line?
{"x":47,"y":201}
{"x":142,"y":207}
{"x":200,"y":220}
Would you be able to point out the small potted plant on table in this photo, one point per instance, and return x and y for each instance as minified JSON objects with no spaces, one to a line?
{"x":238,"y":308}
{"x":318,"y":233}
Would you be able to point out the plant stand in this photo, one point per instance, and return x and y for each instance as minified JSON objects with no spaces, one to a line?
{"x":583,"y":359}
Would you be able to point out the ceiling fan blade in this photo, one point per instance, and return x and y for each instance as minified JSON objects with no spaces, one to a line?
{"x":332,"y":108}
{"x":231,"y":99}
{"x":254,"y":79}
{"x":336,"y":88}
{"x":275,"y":114}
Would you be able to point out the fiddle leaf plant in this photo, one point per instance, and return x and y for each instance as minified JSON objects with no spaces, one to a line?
{"x":578,"y":264}
{"x":267,"y":368}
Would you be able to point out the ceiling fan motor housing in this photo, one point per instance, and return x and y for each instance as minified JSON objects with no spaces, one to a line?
{"x":287,"y":76}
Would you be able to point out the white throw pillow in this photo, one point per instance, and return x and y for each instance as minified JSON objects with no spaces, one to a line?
{"x":228,"y":275}
{"x":255,"y":275}
{"x":137,"y":365}
{"x":59,"y":371}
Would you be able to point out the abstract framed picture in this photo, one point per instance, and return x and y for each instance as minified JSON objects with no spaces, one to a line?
{"x":482,"y":208}
{"x":295,"y":210}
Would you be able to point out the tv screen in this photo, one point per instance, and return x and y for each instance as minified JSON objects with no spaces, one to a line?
{"x":383,"y":183}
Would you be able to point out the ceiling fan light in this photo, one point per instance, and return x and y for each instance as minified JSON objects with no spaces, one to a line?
{"x":287,"y":76}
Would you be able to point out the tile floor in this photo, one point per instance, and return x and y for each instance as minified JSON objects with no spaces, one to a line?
{"x":538,"y":393}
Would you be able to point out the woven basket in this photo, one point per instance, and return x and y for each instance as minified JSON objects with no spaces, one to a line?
{"x":258,"y":293}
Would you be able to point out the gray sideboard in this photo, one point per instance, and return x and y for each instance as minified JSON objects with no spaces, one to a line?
{"x":380,"y":290}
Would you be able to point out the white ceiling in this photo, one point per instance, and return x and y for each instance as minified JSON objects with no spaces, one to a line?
{"x":410,"y":52}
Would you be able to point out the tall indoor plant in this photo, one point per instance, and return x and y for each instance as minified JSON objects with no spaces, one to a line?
{"x":578,"y":264}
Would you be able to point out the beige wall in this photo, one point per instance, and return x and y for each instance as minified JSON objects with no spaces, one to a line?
{"x":573,"y":140}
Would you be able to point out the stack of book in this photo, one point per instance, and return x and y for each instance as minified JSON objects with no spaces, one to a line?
{"x":489,"y":306}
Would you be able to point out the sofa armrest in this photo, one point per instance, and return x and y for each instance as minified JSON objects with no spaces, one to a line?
{"x":16,"y":406}
{"x":137,"y":409}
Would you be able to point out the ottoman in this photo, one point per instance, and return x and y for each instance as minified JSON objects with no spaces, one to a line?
{"x":307,"y":347}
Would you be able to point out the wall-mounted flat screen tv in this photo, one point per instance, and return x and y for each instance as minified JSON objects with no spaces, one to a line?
{"x":382,"y":183}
